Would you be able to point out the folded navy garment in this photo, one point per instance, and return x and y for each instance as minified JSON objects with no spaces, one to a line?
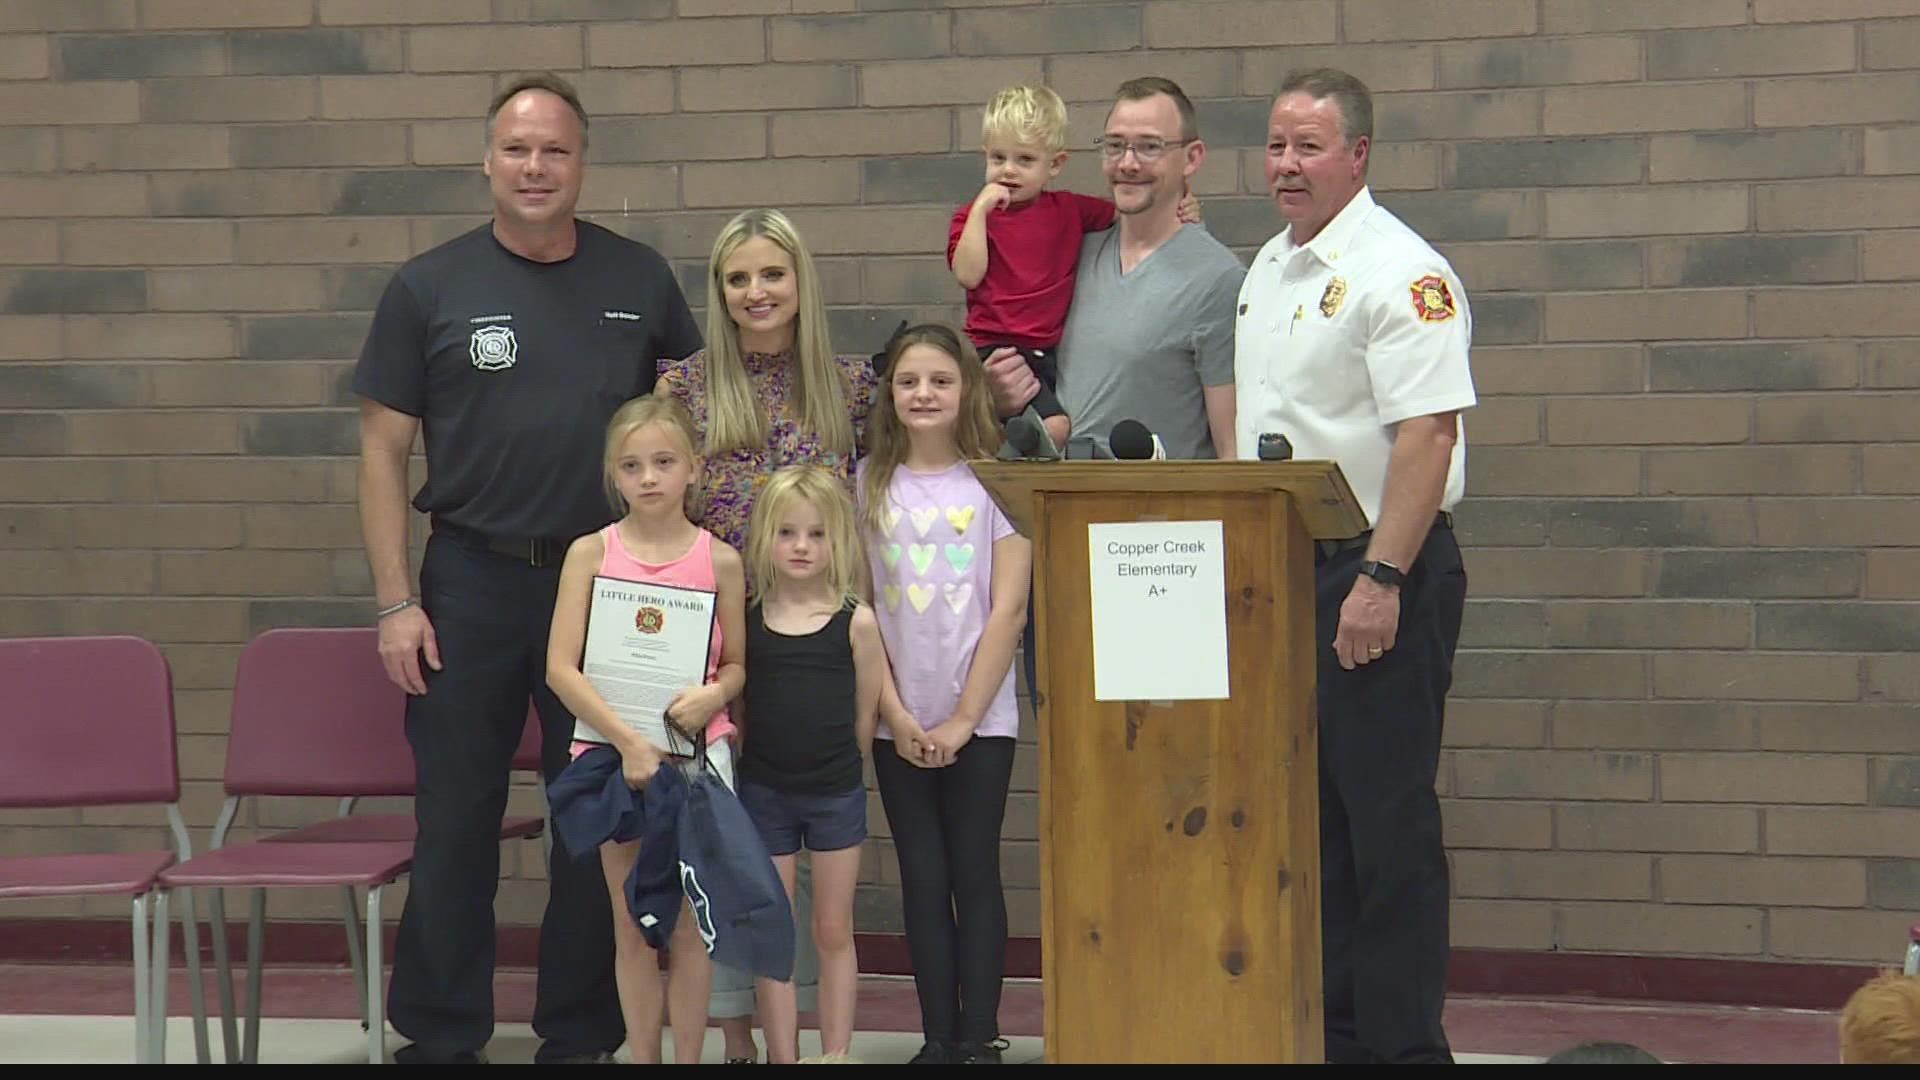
{"x":592,"y":804}
{"x":731,"y":884}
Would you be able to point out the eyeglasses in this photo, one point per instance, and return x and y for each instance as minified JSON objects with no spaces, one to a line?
{"x":1150,"y":149}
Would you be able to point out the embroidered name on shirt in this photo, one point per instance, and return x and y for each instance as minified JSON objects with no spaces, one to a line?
{"x":626,"y":315}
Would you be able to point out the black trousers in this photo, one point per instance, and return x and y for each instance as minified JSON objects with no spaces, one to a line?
{"x":1383,"y":868}
{"x":491,"y":615}
{"x":946,"y":837}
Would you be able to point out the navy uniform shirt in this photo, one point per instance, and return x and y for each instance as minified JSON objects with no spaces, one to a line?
{"x":514,"y":368}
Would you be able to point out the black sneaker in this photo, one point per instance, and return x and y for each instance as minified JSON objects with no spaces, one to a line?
{"x":935,"y":1052}
{"x":986,"y":1053}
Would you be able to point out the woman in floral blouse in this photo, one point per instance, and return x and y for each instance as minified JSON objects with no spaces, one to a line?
{"x":767,"y":392}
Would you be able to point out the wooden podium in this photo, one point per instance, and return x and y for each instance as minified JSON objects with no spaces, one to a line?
{"x":1179,"y":841}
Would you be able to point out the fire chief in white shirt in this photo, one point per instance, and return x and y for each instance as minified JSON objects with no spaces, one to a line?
{"x":1351,"y":340}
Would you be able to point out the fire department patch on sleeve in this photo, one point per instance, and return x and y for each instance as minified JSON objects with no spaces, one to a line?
{"x":1432,"y":300}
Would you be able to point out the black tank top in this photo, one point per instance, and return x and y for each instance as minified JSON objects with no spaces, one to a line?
{"x":800,"y":699}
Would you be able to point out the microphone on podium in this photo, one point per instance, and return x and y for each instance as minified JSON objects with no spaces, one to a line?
{"x":1131,"y":441}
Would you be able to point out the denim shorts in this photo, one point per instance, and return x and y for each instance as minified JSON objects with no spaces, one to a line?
{"x":789,"y":821}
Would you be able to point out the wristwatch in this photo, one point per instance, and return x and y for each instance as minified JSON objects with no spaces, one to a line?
{"x":1383,"y":572}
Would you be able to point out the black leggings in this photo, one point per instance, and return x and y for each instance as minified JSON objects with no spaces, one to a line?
{"x":946,"y":836}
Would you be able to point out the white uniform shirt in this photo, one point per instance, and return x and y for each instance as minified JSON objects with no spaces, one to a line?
{"x":1342,"y":338}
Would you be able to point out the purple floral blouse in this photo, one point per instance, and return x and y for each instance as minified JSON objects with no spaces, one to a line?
{"x":733,"y":479}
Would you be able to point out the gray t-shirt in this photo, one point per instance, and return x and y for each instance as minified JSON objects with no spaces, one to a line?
{"x":1140,"y":345}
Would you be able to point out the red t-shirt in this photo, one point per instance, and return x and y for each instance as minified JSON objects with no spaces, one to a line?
{"x":1033,"y":249}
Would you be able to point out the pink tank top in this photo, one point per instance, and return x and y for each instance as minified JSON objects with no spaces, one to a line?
{"x":694,"y":570}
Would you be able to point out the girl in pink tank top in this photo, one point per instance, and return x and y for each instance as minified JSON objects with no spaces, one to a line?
{"x":650,"y":464}
{"x":693,"y":570}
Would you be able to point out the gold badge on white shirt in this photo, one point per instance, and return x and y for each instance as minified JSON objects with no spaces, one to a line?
{"x":1335,"y":295}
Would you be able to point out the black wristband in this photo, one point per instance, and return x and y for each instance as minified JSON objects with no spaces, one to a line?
{"x":1383,"y":572}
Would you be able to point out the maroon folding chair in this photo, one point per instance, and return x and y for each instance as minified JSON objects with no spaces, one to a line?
{"x":349,"y":826}
{"x":315,"y":715}
{"x":351,"y":657}
{"x":88,"y":721}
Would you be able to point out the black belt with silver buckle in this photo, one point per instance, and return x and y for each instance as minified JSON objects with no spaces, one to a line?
{"x":1327,"y":549}
{"x":534,"y":551}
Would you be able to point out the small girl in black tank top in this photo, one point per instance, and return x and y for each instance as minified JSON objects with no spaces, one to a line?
{"x":814,"y":670}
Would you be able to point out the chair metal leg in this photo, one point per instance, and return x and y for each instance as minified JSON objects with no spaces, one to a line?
{"x":229,"y":1019}
{"x":142,"y":1001}
{"x":190,"y":927}
{"x":160,"y":966}
{"x":356,"y":959}
{"x":376,"y":999}
{"x":223,"y":974}
{"x":196,"y":987}
{"x":256,"y":930}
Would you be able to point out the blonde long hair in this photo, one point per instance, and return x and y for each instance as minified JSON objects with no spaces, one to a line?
{"x":976,"y":436}
{"x":819,"y":488}
{"x":735,"y":419}
{"x":633,"y":416}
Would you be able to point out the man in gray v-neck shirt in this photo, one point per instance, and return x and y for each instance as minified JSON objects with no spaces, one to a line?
{"x":1149,"y":336}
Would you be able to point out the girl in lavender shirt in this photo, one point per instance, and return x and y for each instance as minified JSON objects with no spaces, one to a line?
{"x":950,"y":590}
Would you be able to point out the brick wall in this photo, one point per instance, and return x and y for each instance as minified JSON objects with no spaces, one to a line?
{"x":1685,"y":710}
